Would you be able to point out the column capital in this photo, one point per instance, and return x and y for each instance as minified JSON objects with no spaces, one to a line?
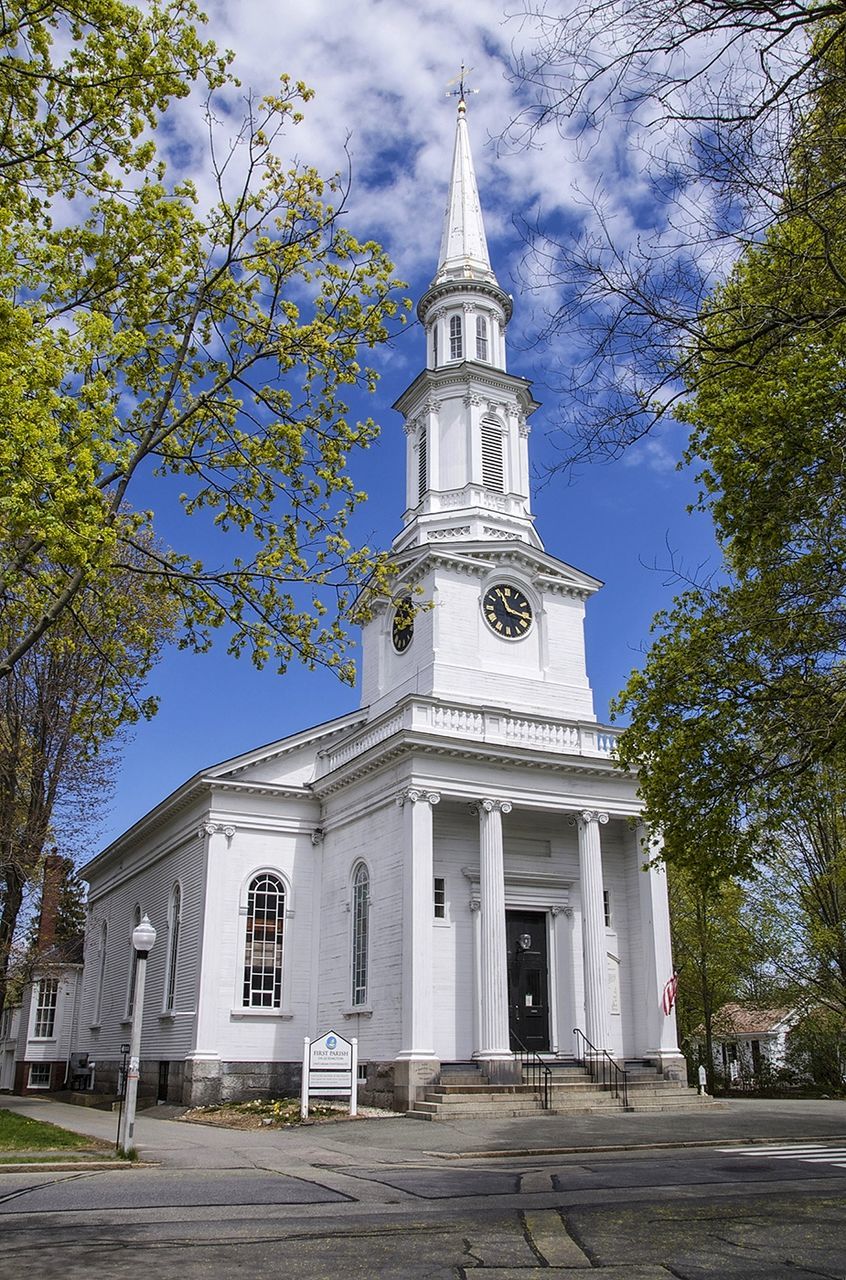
{"x":586,"y":816}
{"x":491,"y":806}
{"x":215,"y":828}
{"x":412,"y":795}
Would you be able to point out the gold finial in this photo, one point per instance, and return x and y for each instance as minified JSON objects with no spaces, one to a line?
{"x":462,"y":90}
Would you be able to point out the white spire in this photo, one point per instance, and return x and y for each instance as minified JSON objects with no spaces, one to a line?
{"x":464,"y":248}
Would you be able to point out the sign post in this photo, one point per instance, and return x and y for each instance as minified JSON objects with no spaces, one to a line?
{"x":330,"y":1070}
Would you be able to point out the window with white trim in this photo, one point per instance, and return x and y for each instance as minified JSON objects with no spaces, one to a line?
{"x":481,"y":338}
{"x":456,"y":345}
{"x":435,"y":345}
{"x":440,"y":898}
{"x":133,"y":964}
{"x":606,"y":903}
{"x":493,"y":464}
{"x":173,"y":948}
{"x":45,"y":1009}
{"x":39,"y":1076}
{"x":101,"y":976}
{"x":263,"y":952}
{"x":360,"y":933}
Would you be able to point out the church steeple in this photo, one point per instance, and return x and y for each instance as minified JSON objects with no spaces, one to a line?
{"x":465,"y":416}
{"x":464,"y":247}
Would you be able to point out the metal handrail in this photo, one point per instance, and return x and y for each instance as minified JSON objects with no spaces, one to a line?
{"x":614,"y":1077}
{"x":540,"y":1076}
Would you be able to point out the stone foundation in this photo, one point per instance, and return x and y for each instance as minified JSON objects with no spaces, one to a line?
{"x":412,"y":1078}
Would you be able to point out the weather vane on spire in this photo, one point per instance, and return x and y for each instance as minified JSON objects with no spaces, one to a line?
{"x":462,"y":91}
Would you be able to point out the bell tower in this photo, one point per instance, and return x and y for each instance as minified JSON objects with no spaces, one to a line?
{"x":502,"y":623}
{"x":466,"y":418}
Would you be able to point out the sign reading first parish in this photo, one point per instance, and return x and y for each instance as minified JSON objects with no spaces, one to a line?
{"x":330,"y":1070}
{"x":330,"y":1051}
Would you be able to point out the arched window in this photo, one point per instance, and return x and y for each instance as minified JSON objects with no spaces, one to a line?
{"x":481,"y":338}
{"x":422,"y":464}
{"x":493,"y":466}
{"x":263,"y":954}
{"x":101,"y":976}
{"x":360,"y":940}
{"x":173,"y":948}
{"x":133,"y":963}
{"x":455,"y":344}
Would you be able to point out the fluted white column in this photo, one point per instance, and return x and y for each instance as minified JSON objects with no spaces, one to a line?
{"x":494,"y":1039}
{"x":593,"y":928}
{"x":661,"y":1044}
{"x":417,"y":994}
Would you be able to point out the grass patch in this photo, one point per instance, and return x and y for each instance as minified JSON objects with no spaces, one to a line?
{"x":20,"y":1133}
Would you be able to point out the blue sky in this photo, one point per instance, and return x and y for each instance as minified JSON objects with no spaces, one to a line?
{"x":380,"y":71}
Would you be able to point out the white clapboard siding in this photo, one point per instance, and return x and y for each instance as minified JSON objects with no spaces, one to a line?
{"x":150,"y":888}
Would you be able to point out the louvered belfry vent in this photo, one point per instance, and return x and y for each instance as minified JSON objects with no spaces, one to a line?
{"x":422,"y":465}
{"x":493,"y":470}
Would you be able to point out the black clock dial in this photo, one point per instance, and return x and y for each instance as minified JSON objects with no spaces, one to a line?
{"x":507,"y":611}
{"x":403,"y":625}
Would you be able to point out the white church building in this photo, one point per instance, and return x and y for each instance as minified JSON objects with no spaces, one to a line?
{"x":453,"y":873}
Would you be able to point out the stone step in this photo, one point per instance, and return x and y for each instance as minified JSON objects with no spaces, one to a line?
{"x":474,"y":1110}
{"x":490,"y":1094}
{"x":499,"y":1109}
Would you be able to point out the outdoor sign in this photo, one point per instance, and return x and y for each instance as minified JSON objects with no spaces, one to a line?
{"x":330,"y":1070}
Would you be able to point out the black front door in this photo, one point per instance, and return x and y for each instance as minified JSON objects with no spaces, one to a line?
{"x":528,"y":979}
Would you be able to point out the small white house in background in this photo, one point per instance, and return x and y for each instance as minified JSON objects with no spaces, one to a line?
{"x":747,"y":1040}
{"x":451,"y":873}
{"x":37,"y":1036}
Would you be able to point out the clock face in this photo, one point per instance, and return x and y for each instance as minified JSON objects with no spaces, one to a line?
{"x":507,"y":611}
{"x":403,"y":625}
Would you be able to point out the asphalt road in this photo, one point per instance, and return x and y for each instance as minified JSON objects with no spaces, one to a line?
{"x":774,"y":1211}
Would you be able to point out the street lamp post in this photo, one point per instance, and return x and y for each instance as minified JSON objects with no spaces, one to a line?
{"x":143,"y":940}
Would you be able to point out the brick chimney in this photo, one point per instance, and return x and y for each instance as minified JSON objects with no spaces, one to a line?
{"x":51,"y":887}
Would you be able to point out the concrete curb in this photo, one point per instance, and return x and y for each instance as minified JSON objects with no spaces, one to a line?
{"x":68,"y":1166}
{"x":511,"y":1152}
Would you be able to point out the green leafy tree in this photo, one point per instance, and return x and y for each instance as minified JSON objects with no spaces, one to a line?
{"x":62,"y":711}
{"x":805,"y":880}
{"x":717,"y":952}
{"x":743,"y":693}
{"x":156,"y":353}
{"x":715,"y":102}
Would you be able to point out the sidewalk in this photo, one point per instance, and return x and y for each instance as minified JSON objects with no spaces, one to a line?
{"x":400,"y":1141}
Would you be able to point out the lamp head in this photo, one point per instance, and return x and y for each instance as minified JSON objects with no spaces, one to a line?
{"x":144,"y":935}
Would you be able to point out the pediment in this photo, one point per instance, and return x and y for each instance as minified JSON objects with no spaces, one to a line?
{"x":546,"y":571}
{"x":290,"y":761}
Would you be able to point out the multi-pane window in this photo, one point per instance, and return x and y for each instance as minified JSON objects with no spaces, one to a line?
{"x":263,"y":955}
{"x":435,"y":345}
{"x":101,"y":975}
{"x":481,"y":338}
{"x":422,"y":464}
{"x":606,"y":902}
{"x":493,"y":467}
{"x":455,"y":343}
{"x":360,"y":930}
{"x":173,"y":948}
{"x":39,"y":1076}
{"x":133,"y":964}
{"x":45,"y":1009}
{"x":440,"y":898}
